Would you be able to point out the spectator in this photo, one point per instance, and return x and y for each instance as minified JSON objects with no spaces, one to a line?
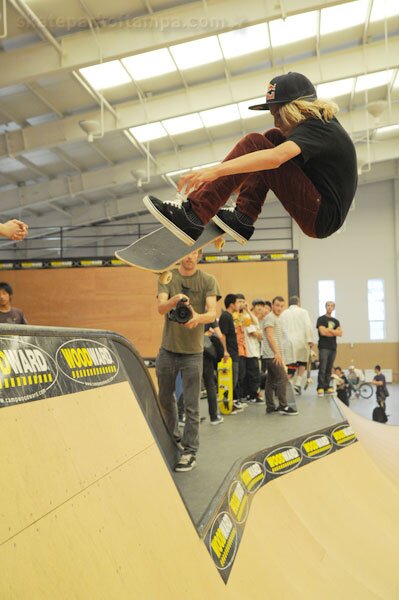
{"x":329,"y":329}
{"x":342,"y":385}
{"x":355,"y":378}
{"x":242,"y":320}
{"x":212,"y":330}
{"x":381,"y":386}
{"x":276,"y":374}
{"x":226,"y":324}
{"x":182,"y":350}
{"x":253,"y":338}
{"x":8,"y":314}
{"x":297,"y":327}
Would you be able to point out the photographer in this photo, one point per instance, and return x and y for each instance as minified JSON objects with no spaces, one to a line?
{"x":191,"y":296}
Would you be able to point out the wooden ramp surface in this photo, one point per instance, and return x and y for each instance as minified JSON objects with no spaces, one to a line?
{"x":89,"y":511}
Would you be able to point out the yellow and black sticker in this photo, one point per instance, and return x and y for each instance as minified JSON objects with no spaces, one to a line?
{"x":27,"y":372}
{"x":223,"y":540}
{"x":238,"y":502}
{"x":282,"y":460}
{"x":343,"y":435}
{"x":252,"y":475}
{"x":316,"y":446}
{"x":87,"y":362}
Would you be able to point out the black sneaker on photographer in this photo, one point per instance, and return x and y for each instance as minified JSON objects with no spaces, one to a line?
{"x":178,"y":216}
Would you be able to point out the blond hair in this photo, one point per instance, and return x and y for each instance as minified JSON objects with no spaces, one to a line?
{"x":297,"y":111}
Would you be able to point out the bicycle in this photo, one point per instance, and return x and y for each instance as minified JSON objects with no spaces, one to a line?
{"x":363,"y":390}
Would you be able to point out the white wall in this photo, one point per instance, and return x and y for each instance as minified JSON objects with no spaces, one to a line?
{"x":364,"y":249}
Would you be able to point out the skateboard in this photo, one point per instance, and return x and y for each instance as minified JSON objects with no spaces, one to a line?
{"x":309,"y":380}
{"x":225,"y":386}
{"x":160,"y":250}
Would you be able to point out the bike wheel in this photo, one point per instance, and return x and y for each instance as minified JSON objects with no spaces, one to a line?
{"x":366,"y":391}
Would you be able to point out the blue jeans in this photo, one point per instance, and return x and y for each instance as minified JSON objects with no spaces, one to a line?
{"x":167,"y":366}
{"x":326,"y":360}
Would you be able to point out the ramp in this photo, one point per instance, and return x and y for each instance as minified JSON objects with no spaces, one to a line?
{"x":89,"y":510}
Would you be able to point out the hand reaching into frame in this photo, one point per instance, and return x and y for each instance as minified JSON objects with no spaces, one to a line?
{"x":14,"y":230}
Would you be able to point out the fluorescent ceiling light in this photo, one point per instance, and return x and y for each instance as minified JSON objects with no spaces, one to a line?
{"x":220,"y":115}
{"x":373,"y":80}
{"x":106,"y":75}
{"x":333,"y":89}
{"x":181,"y":171}
{"x":387,"y":132}
{"x":151,"y":131}
{"x":183,"y":124}
{"x":293,"y":29}
{"x":199,"y":52}
{"x":244,"y":41}
{"x":384,"y":8}
{"x":149,"y":64}
{"x":246,"y":113}
{"x":343,"y":16}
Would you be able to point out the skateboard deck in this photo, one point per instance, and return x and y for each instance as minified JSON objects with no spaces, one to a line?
{"x":225,"y":386}
{"x":160,"y":250}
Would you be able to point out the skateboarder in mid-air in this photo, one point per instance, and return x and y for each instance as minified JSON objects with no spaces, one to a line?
{"x":308,"y":160}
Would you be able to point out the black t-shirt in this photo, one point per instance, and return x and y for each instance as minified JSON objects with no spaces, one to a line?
{"x":328,"y":158}
{"x":226,"y":324}
{"x":14,"y":315}
{"x":329,"y":343}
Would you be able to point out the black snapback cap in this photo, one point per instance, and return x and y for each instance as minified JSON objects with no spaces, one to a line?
{"x":286,"y":88}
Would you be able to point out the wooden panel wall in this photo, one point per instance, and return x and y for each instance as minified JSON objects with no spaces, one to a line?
{"x":123,"y":299}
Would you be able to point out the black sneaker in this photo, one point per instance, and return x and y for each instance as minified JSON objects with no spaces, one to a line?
{"x":177,"y":216}
{"x":217,"y":421}
{"x":233,"y":222}
{"x":237,"y":406}
{"x":287,"y":410}
{"x":271,"y":409}
{"x":186,"y":463}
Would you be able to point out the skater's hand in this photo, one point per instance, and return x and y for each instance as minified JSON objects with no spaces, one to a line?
{"x":14,"y":230}
{"x":226,"y":357}
{"x":193,"y":180}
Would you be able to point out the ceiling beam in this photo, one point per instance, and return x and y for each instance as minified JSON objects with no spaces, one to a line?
{"x":352,"y":62}
{"x":108,"y":178}
{"x":142,"y":34}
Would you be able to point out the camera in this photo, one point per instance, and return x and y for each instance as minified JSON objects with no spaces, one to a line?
{"x":182,"y":313}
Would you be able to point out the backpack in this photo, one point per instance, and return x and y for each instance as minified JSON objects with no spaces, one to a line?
{"x":379,"y":415}
{"x":213,"y":348}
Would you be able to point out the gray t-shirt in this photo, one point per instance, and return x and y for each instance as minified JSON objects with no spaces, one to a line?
{"x":176,"y":337}
{"x":272,"y":321}
{"x":13,"y":316}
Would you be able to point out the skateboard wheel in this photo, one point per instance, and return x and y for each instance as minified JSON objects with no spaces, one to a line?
{"x":219,"y":243}
{"x":166,"y":277}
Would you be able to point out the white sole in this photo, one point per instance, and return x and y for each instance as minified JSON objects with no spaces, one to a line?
{"x":166,"y":223}
{"x":236,"y":236}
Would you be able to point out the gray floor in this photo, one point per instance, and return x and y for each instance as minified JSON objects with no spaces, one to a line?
{"x":242,"y":435}
{"x":365,"y":407}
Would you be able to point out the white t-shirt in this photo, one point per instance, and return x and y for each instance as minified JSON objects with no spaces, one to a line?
{"x":297,"y":328}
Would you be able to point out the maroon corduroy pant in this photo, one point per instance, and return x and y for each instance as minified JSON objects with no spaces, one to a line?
{"x":292,"y":187}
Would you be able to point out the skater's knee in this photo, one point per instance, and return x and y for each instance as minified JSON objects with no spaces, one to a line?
{"x":255,"y":139}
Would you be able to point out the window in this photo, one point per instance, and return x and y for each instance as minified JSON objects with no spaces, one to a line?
{"x":376,"y":308}
{"x":326,"y":294}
